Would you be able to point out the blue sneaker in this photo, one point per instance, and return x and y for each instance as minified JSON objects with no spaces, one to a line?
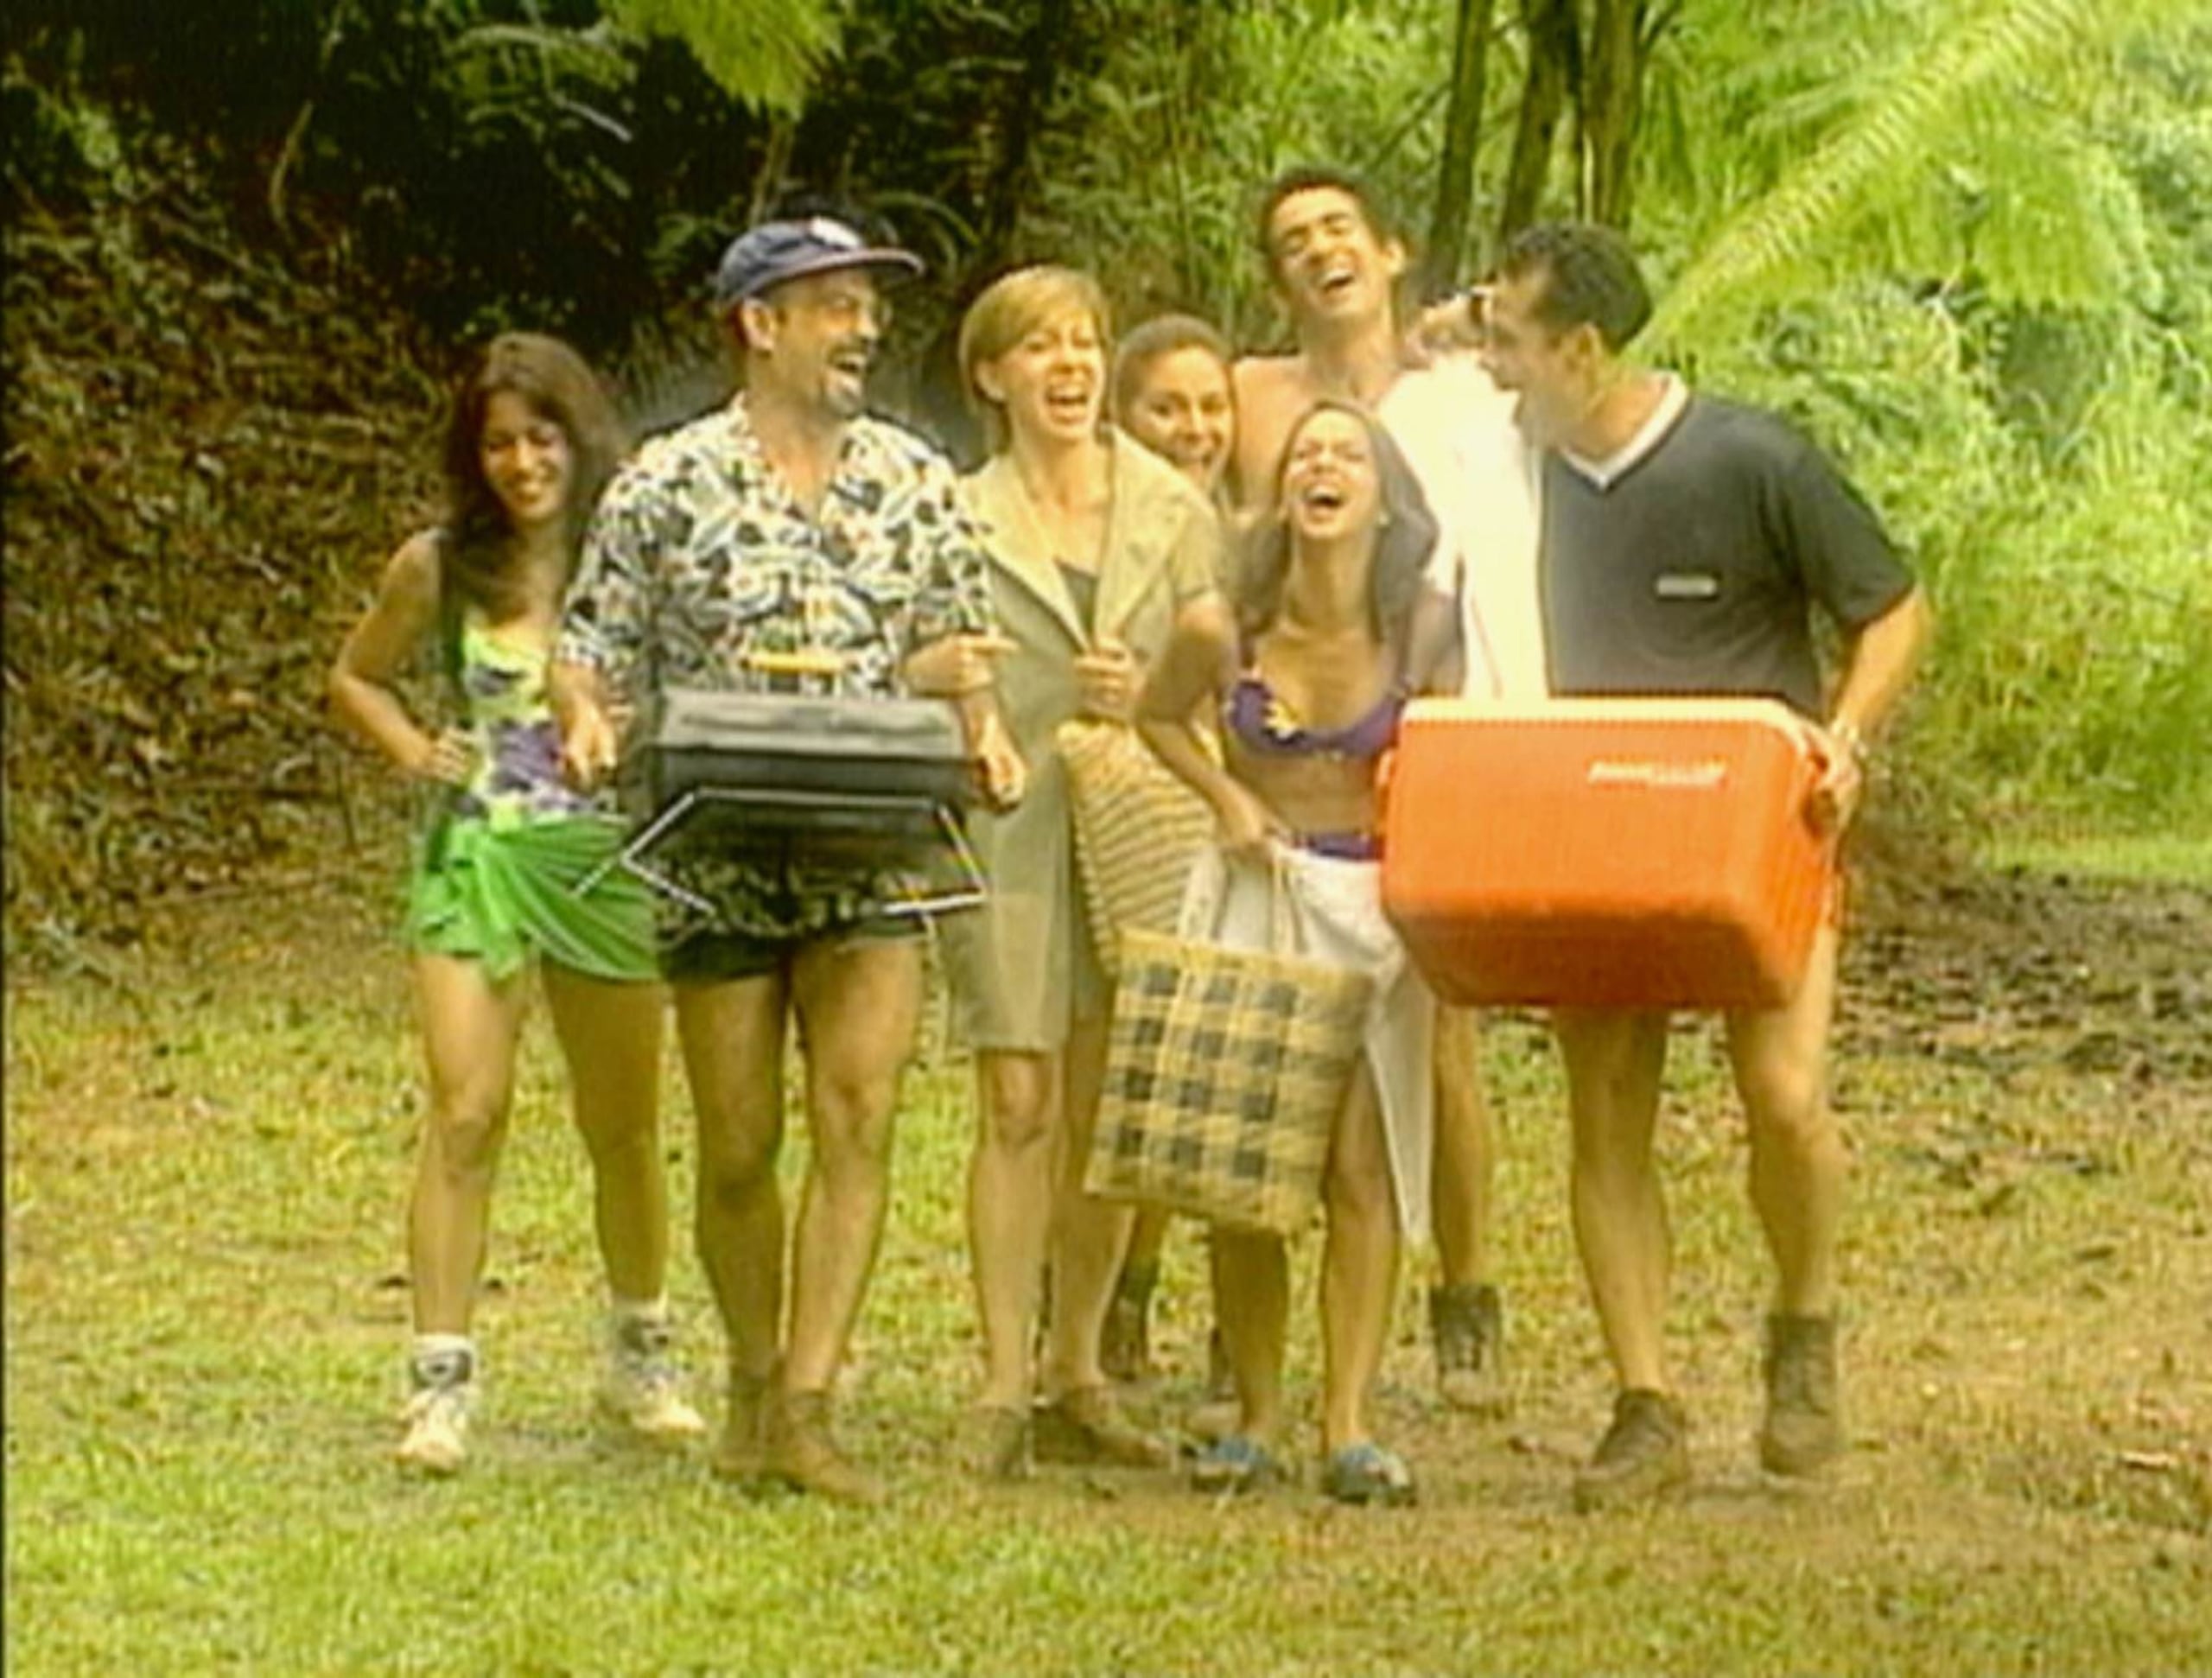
{"x":1234,"y":1465}
{"x":1369,"y":1473}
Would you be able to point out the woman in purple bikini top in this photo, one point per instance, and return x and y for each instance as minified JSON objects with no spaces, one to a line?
{"x":1334,"y":628}
{"x":1257,"y":720}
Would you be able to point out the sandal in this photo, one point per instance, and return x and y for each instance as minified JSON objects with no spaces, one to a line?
{"x":1235,"y":1465}
{"x":1086,"y":1426}
{"x":1369,"y":1473}
{"x":1218,"y":1413}
{"x":994,"y":1443}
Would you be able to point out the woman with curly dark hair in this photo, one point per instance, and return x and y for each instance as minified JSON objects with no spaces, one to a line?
{"x":530,"y":442}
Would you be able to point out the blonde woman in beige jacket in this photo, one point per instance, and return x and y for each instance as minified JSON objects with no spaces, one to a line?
{"x":1094,"y":544}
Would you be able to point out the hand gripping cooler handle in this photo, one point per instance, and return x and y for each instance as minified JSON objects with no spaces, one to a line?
{"x":1815,"y":762}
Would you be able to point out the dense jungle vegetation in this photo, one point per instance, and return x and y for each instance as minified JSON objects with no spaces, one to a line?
{"x":1965,"y":241}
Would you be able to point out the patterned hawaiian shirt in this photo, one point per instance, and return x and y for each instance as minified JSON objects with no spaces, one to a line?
{"x":701,"y":569}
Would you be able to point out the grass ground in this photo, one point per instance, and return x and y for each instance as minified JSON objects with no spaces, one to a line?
{"x":2106,"y":856}
{"x":206,"y":1155}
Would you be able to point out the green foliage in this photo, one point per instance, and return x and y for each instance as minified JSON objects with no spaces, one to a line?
{"x":2081,"y":646}
{"x":1159,"y":158}
{"x":2072,"y":676}
{"x":764,"y":53}
{"x":1981,"y":287}
{"x":61,"y":142}
{"x":2047,"y":238}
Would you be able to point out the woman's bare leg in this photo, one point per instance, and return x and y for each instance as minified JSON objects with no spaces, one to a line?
{"x":470,"y":1026}
{"x":1089,"y":1236}
{"x":1359,"y":1265}
{"x":1010,"y":1213}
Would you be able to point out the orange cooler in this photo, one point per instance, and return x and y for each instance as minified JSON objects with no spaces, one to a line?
{"x":1619,"y":852}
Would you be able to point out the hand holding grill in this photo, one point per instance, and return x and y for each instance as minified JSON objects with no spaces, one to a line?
{"x":956,"y":665}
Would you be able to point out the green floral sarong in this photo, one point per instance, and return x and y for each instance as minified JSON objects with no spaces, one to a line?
{"x":501,"y":892}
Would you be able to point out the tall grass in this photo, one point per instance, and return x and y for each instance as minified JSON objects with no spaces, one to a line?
{"x":2076,"y":680}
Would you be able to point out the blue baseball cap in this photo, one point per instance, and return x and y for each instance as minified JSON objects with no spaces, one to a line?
{"x":777,"y":251}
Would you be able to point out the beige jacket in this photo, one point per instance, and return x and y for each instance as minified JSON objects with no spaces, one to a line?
{"x":1023,"y":964}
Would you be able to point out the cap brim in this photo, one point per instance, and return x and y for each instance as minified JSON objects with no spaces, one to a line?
{"x":905,"y":264}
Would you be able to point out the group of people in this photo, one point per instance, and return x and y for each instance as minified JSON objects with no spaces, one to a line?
{"x":1251,"y":563}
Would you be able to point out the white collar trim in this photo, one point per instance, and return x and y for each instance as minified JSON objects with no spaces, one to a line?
{"x":1673,"y":397}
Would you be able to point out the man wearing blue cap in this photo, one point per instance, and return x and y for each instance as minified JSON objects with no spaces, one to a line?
{"x":787,"y":541}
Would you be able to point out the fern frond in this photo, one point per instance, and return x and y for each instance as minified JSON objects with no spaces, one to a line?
{"x":765,"y":53}
{"x":2067,"y":230}
{"x":1892,"y":148}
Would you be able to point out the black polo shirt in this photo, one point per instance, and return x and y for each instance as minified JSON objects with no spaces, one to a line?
{"x":1694,"y":571}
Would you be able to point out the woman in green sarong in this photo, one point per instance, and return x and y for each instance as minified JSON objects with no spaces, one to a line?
{"x":530,"y":442}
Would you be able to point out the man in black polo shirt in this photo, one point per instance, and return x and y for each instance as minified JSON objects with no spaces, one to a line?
{"x":1685,"y":541}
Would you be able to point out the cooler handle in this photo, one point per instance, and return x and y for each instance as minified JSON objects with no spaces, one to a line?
{"x":1818,"y":761}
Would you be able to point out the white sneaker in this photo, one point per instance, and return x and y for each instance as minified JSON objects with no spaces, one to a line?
{"x":437,"y":1415}
{"x":643,"y":1391}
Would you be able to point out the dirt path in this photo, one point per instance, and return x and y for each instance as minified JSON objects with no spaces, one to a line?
{"x":2010,"y":971}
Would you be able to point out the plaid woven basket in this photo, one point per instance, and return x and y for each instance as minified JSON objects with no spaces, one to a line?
{"x":1225,"y":1070}
{"x":1137,"y":826}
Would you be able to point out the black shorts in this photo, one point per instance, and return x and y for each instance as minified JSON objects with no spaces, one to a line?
{"x":712,"y":956}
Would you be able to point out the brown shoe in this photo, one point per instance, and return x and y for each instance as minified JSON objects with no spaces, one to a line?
{"x":1086,"y":1426}
{"x":741,"y":1453}
{"x":802,"y":1454}
{"x":1644,"y":1455}
{"x":994,"y":1443}
{"x":1467,"y":1322}
{"x":1803,"y":1430}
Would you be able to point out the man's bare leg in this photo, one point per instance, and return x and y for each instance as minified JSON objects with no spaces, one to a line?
{"x":1147,"y":1235}
{"x":1613,"y":1063}
{"x":731,"y":1034}
{"x":1465,"y":1318}
{"x":1614,"y":1060}
{"x":1798,"y":1168}
{"x":1467,"y":1153}
{"x":1798,"y":1162}
{"x":858,"y":1005}
{"x":1125,"y":1347}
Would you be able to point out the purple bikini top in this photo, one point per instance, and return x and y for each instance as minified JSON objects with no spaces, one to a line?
{"x":1255,"y":716}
